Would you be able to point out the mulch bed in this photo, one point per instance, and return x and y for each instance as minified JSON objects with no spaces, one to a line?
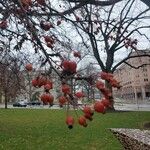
{"x":133,"y":139}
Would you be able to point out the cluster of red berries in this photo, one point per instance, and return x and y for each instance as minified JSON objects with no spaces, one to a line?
{"x":3,"y":24}
{"x":46,"y":97}
{"x":69,"y":67}
{"x":41,"y":2}
{"x":130,"y":43}
{"x":40,"y":81}
{"x":46,"y":25}
{"x":28,"y":3}
{"x":99,"y":106}
{"x":29,"y":67}
{"x":67,"y":98}
{"x":49,"y":41}
{"x":110,"y":78}
{"x":77,"y":54}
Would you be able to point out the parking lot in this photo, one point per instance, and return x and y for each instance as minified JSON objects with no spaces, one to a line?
{"x":32,"y":107}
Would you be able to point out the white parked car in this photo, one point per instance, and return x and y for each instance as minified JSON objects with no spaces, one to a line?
{"x":21,"y":103}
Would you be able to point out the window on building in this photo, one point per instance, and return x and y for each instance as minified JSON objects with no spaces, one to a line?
{"x":147,"y":94}
{"x":145,"y":69}
{"x":145,"y":79}
{"x":139,"y":95}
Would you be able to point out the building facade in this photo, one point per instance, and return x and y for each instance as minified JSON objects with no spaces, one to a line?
{"x":135,"y":82}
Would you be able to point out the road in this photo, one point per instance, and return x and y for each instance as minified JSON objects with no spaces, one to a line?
{"x":133,"y":107}
{"x":118,"y":106}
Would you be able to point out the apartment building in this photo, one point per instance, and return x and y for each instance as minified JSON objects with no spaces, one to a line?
{"x":135,"y":82}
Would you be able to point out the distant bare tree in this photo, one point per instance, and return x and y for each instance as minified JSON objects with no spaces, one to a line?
{"x":10,"y":75}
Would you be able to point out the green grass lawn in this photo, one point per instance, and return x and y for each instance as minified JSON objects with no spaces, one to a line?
{"x":25,"y":129}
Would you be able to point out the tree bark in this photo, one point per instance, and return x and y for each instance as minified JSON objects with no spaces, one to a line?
{"x":6,"y":100}
{"x":147,"y":2}
{"x":30,"y":86}
{"x":107,"y":85}
{"x":88,"y":94}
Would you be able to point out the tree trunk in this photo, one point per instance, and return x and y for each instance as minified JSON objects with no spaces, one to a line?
{"x":72,"y":87}
{"x":6,"y":100}
{"x":88,"y":94}
{"x":30,"y":87}
{"x":108,"y":85}
{"x":147,"y":2}
{"x":93,"y":94}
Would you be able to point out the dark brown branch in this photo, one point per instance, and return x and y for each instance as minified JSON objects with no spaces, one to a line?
{"x":98,"y":3}
{"x":95,"y":51}
{"x":127,"y":58}
{"x":135,"y":67}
